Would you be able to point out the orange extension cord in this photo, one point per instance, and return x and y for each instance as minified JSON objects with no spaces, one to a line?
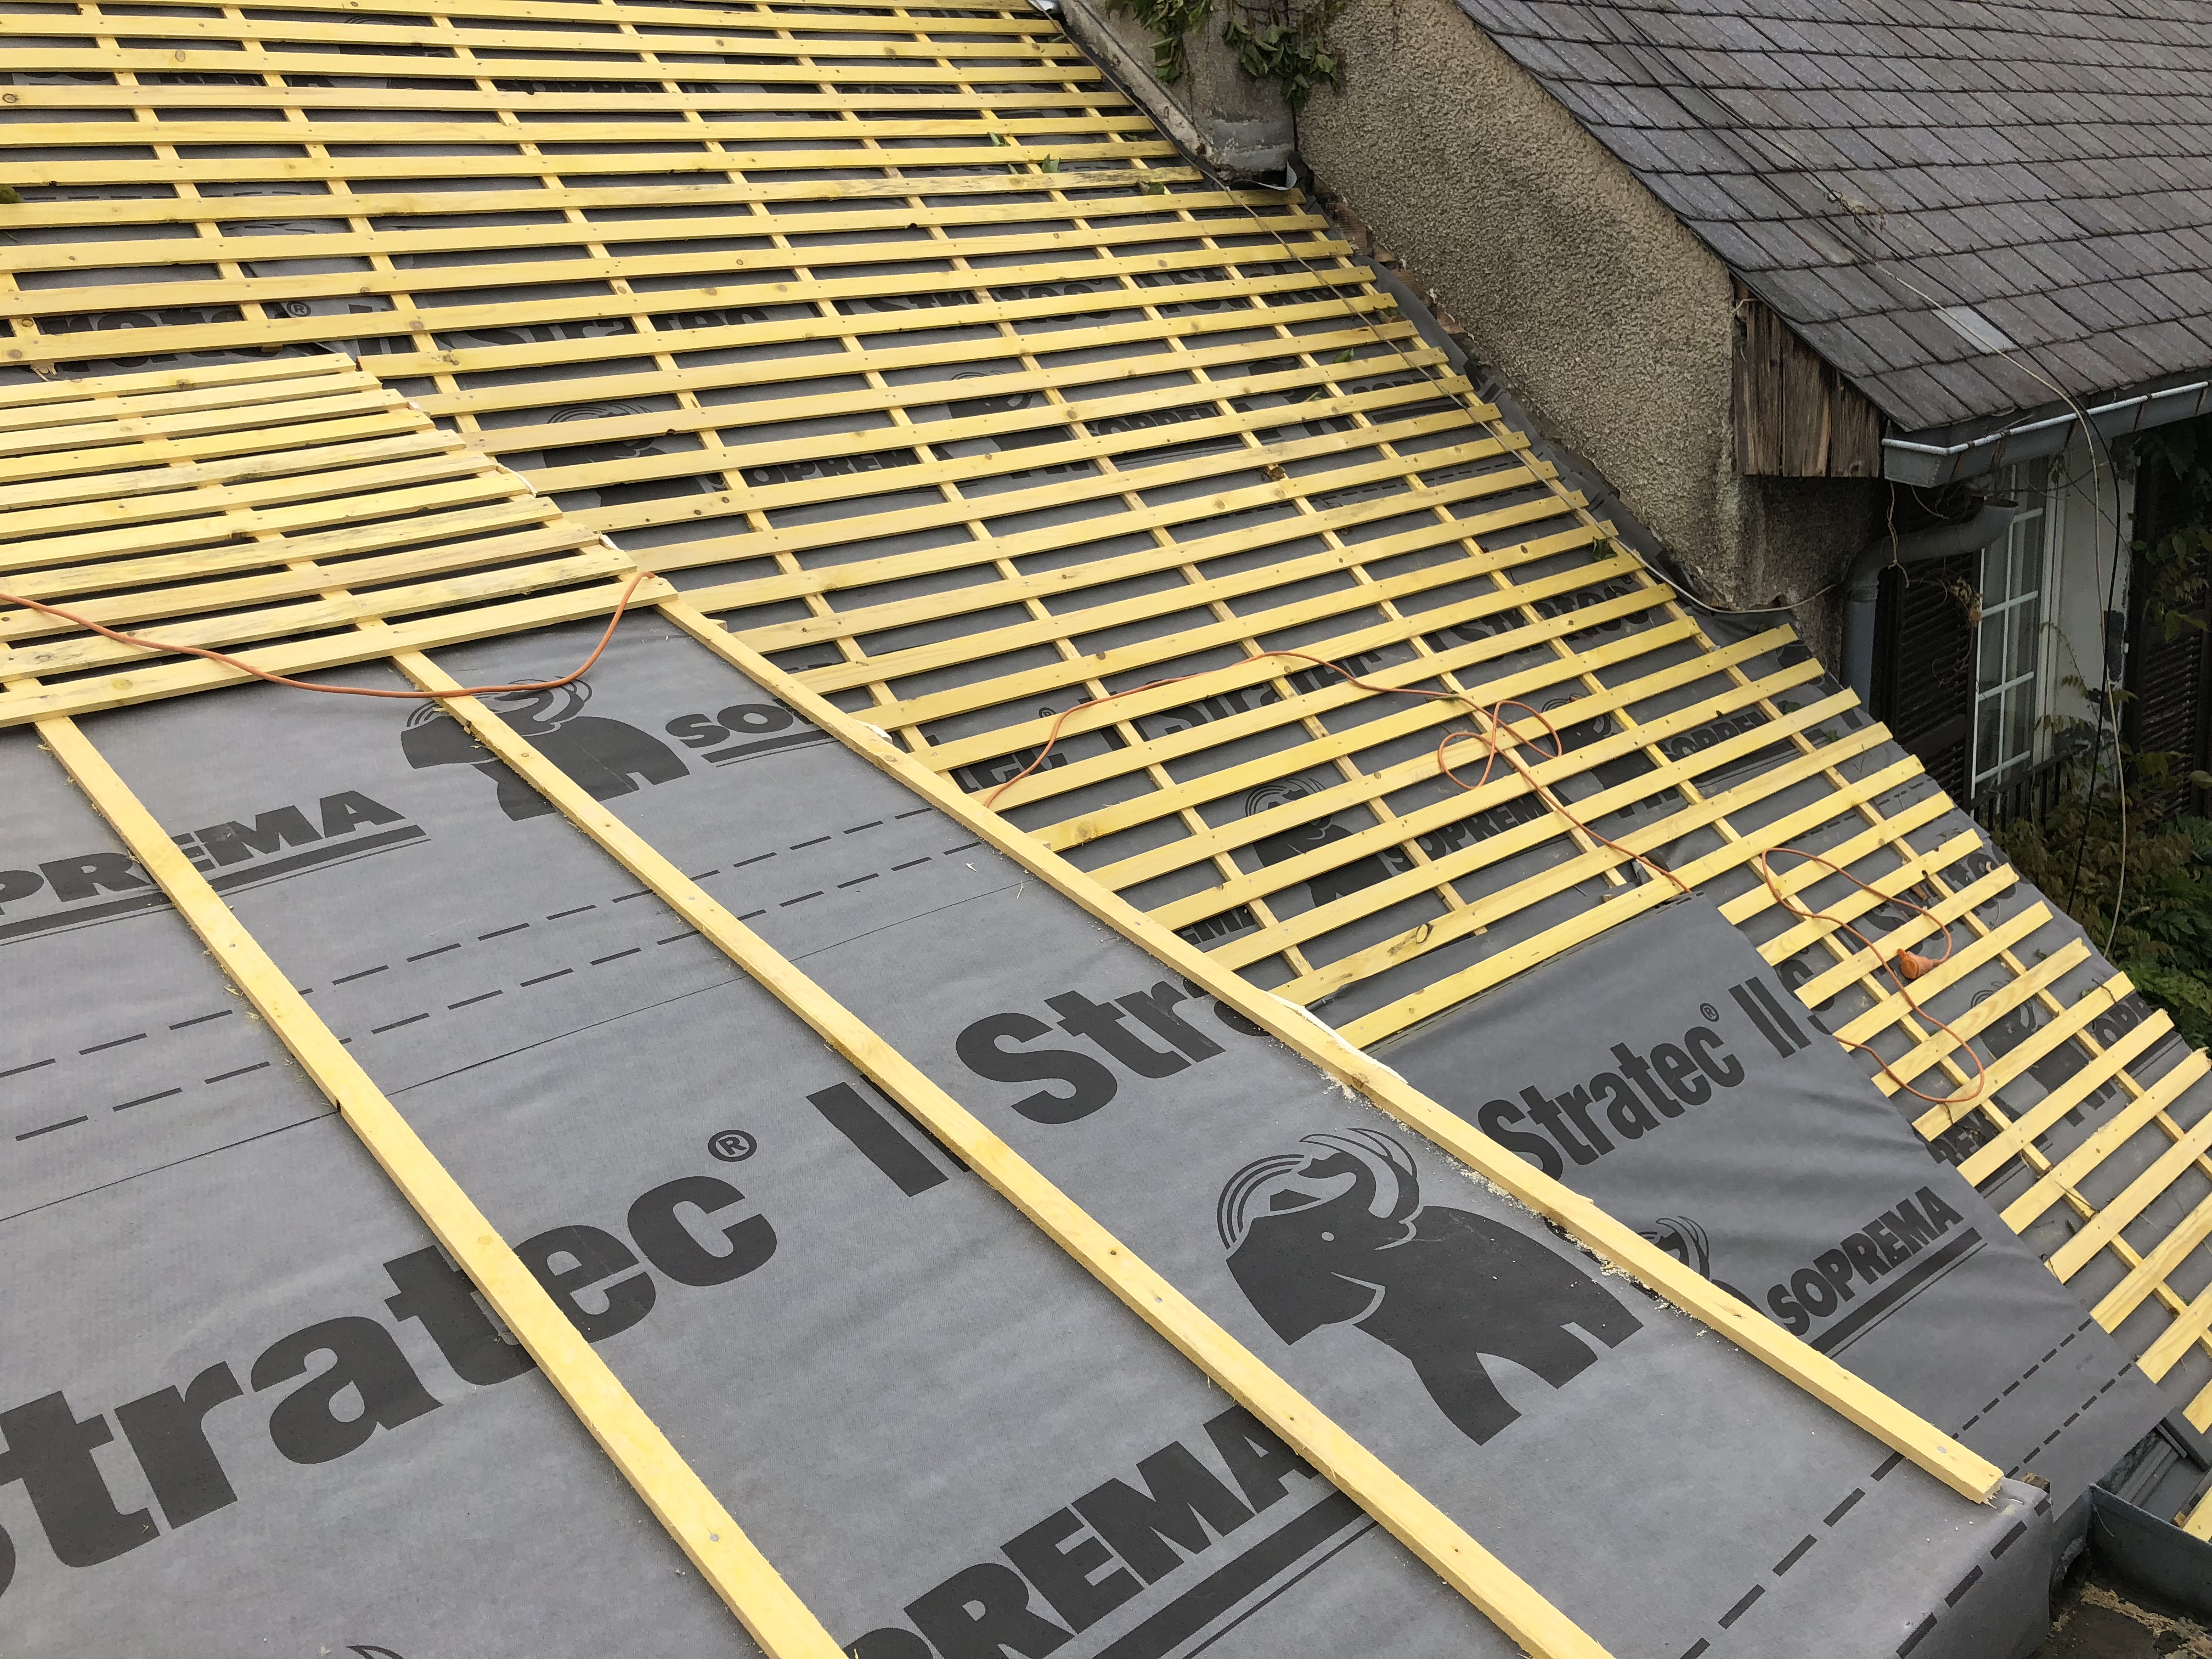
{"x":1903,"y":968}
{"x":244,"y":667}
{"x":1914,"y":966}
{"x":1496,"y":750}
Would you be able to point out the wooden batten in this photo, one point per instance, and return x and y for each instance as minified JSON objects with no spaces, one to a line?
{"x":1795,"y":416}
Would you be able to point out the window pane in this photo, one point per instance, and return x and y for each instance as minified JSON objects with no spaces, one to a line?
{"x":1996,"y":583}
{"x":2008,"y":702}
{"x":2028,"y":556}
{"x":2029,"y":486}
{"x":1989,"y":668}
{"x":2019,"y":650}
{"x":2020,"y":722}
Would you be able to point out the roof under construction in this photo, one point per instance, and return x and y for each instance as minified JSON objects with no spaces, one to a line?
{"x":1148,"y":997}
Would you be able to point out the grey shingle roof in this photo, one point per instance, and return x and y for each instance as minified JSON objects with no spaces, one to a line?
{"x":1910,"y":183}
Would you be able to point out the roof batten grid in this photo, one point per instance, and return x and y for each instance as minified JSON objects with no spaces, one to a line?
{"x":784,"y":1627}
{"x":314,"y":540}
{"x":1216,"y":474}
{"x":1856,"y":799}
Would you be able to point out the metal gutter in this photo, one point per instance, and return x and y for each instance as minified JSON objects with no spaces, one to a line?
{"x":1909,"y":460}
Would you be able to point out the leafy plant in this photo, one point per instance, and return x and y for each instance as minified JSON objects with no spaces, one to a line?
{"x":2159,"y":878}
{"x":1294,"y":54}
{"x":2163,"y":941}
{"x":1171,"y":21}
{"x":1286,"y":45}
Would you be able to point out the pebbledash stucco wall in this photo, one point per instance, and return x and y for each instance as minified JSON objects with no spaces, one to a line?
{"x":1586,"y":295}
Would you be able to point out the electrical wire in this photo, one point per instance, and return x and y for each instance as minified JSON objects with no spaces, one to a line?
{"x":2092,"y":437}
{"x":1504,"y":750}
{"x":169,"y":648}
{"x":1903,"y":968}
{"x":1497,"y":749}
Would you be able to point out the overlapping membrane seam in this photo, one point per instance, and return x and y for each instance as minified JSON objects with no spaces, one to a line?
{"x":1197,"y":432}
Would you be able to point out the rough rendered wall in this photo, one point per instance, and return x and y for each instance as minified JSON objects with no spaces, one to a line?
{"x":1798,"y":537}
{"x":1586,"y":293}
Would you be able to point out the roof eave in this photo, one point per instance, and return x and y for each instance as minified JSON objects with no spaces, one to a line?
{"x":1941,"y":455}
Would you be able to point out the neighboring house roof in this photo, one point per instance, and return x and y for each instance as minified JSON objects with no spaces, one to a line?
{"x":1952,"y":202}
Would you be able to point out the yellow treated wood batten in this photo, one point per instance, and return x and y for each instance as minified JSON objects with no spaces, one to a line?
{"x":695,"y":1517}
{"x":1963,"y":1470}
{"x":1493,"y":1588}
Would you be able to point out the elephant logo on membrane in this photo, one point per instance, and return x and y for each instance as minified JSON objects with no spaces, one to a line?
{"x":605,"y":756}
{"x":1336,"y":1233}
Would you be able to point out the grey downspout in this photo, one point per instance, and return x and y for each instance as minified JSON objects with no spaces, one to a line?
{"x":1863,"y":584}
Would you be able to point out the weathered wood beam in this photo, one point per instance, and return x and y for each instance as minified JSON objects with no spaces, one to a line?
{"x":1795,"y":416}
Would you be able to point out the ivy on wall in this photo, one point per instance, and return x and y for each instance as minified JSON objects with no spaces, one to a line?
{"x":1171,"y":21}
{"x":1283,"y":41}
{"x":1292,"y":52}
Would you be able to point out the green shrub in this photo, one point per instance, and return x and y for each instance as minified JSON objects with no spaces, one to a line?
{"x":2163,"y":936}
{"x":2163,"y":941}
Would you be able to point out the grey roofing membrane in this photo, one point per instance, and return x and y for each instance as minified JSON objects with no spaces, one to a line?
{"x":918,"y":1406}
{"x":1776,"y":1170}
{"x":949,"y":1440}
{"x":1967,"y":207}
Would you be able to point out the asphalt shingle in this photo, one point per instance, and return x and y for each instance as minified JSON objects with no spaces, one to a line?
{"x":1862,"y":164}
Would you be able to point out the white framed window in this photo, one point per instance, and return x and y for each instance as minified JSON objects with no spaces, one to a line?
{"x":2009,"y":657}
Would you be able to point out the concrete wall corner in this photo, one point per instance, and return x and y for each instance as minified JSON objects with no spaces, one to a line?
{"x":1236,"y":126}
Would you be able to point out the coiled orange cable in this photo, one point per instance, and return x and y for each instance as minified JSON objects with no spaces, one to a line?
{"x":1494,"y":713}
{"x":245,"y":668}
{"x":1914,"y":968}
